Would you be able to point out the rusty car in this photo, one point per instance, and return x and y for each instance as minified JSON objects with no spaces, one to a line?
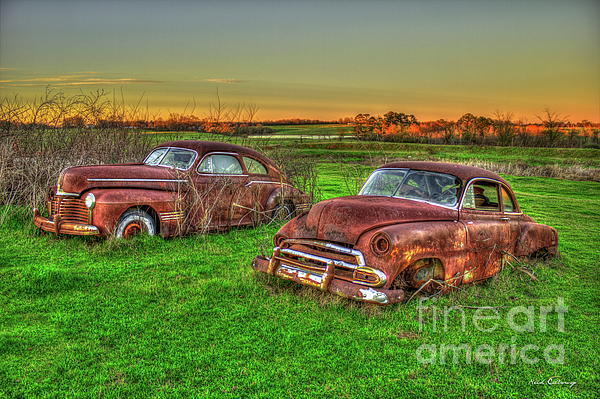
{"x":413,"y":227}
{"x":180,"y":186}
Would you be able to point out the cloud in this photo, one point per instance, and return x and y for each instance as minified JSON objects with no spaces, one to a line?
{"x":100,"y":81}
{"x":224,"y":80}
{"x":76,"y":80}
{"x":8,"y":69}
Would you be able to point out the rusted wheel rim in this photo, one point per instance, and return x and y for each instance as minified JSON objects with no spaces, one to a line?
{"x":282,"y":212}
{"x":132,"y":229}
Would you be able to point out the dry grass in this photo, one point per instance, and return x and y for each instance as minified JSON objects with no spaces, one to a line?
{"x":569,"y":172}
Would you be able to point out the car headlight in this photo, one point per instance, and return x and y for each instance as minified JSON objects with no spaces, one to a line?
{"x":381,"y":244}
{"x":279,"y":239}
{"x":90,"y":201}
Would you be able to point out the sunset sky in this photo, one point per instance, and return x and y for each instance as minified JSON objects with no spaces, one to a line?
{"x":321,"y":59}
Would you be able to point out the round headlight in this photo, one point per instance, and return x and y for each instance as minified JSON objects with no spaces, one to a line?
{"x":90,"y":200}
{"x":279,"y":239}
{"x":381,"y":244}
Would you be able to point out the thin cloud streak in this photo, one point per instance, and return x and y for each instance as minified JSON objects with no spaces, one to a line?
{"x":75,"y":80}
{"x":224,"y":80}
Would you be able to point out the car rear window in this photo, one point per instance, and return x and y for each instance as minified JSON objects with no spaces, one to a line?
{"x":482,"y":196}
{"x":255,"y":167}
{"x":220,"y":164}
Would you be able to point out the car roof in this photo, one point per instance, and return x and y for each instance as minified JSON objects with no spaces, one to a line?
{"x":463,"y":172}
{"x":203,"y":147}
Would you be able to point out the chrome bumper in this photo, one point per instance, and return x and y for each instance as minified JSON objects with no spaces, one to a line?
{"x":327,"y":282}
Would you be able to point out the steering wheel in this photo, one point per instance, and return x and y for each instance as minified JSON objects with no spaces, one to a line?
{"x":444,"y":195}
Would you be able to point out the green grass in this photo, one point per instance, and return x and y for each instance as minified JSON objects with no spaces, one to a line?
{"x":312,"y":130}
{"x":188,"y":317}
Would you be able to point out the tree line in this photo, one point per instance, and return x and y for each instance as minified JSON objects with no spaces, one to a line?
{"x":551,"y":130}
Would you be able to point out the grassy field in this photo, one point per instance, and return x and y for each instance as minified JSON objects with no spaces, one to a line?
{"x":188,"y":317}
{"x":313,"y":130}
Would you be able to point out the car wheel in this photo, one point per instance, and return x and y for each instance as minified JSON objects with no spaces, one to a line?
{"x":283,"y":211}
{"x":135,"y":222}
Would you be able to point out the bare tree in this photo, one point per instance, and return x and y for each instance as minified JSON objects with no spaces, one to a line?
{"x":504,"y":128}
{"x":552,"y":123}
{"x":250,"y":113}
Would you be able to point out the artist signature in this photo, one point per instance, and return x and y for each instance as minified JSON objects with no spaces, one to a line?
{"x":553,"y":381}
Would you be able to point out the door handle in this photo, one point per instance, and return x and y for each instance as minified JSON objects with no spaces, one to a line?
{"x":505,"y":218}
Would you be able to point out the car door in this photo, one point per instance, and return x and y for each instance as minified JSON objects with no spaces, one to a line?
{"x":488,"y":231}
{"x":512,"y":215}
{"x":258,"y":188}
{"x":219,"y":184}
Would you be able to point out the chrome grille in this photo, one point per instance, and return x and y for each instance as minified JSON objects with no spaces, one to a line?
{"x":323,"y":261}
{"x":69,"y":209}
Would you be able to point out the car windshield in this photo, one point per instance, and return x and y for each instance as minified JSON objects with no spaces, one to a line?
{"x":437,"y":188}
{"x":171,"y":157}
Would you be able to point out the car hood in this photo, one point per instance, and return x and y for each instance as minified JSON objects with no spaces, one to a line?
{"x":345,"y":219}
{"x":81,"y":178}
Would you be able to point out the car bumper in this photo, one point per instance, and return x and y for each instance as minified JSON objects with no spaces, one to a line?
{"x":63,"y":227}
{"x":343,"y":288}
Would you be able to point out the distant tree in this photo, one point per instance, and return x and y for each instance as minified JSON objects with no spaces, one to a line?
{"x":552,"y":122}
{"x":362,"y":125}
{"x":466,"y":125}
{"x":399,"y":118}
{"x":483,"y":125}
{"x":504,"y":128}
{"x":472,"y":126}
{"x":448,"y":129}
{"x":596,"y":136}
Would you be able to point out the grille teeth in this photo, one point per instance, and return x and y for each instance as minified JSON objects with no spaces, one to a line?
{"x":70,"y":210}
{"x":314,"y":258}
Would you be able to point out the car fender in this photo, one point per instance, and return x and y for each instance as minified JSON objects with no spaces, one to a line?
{"x":535,"y":236}
{"x":112,"y":203}
{"x":410,"y":242}
{"x":286,"y":193}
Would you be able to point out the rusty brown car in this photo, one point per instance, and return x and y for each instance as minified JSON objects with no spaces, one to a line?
{"x":181,"y":186}
{"x":414,"y":226}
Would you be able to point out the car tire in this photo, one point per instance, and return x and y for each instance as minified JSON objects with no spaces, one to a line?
{"x":283,"y":211}
{"x":135,"y":222}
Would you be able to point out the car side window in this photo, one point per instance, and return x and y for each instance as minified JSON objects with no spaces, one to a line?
{"x":254,"y":167}
{"x":220,"y":164}
{"x":482,"y":196}
{"x":507,"y":201}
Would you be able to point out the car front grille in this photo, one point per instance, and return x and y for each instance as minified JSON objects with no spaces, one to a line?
{"x":319,"y":257}
{"x":69,"y":209}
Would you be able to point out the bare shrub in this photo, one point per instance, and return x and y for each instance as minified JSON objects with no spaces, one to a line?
{"x":32,"y":159}
{"x":300,"y":172}
{"x":41,"y":137}
{"x":353,"y":176}
{"x":203,"y":204}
